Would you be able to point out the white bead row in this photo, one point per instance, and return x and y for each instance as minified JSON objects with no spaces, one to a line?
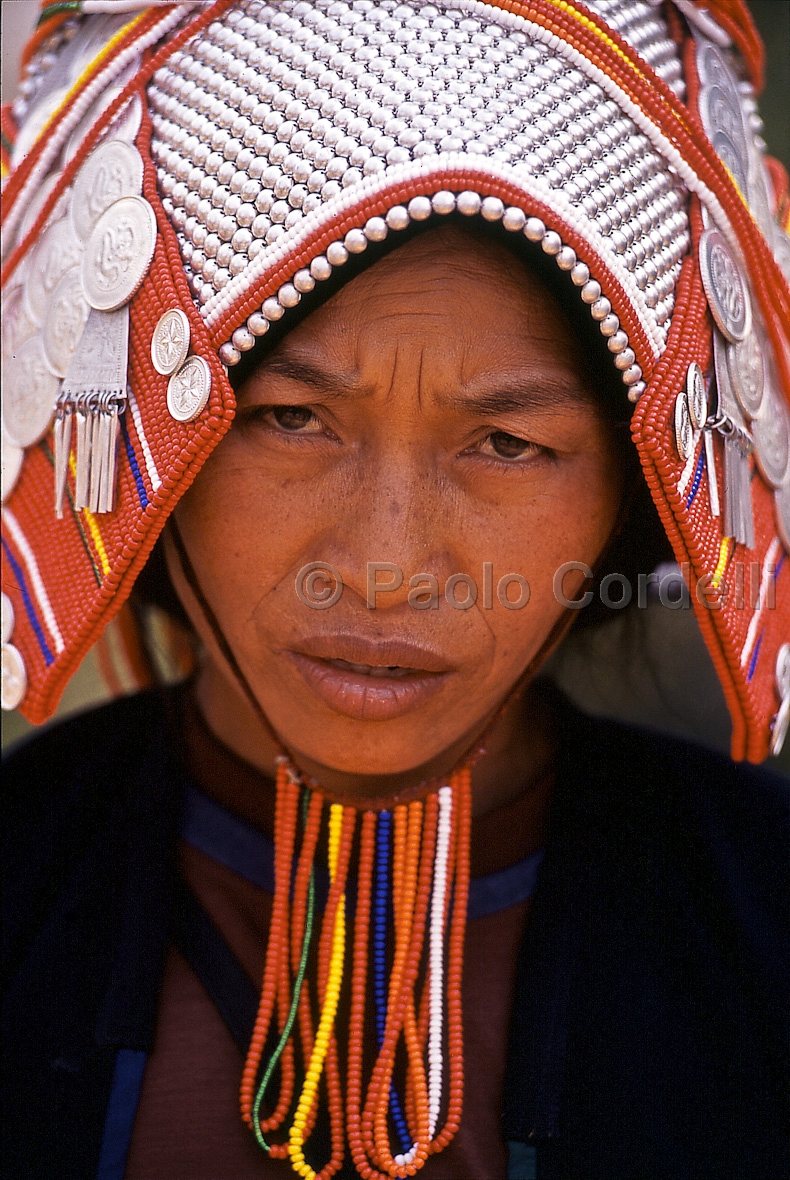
{"x":420,"y":208}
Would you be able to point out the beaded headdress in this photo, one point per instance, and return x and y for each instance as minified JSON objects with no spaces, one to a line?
{"x":178,"y":179}
{"x":181,"y":176}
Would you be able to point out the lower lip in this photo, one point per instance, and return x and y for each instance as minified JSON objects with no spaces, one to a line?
{"x":366,"y":698}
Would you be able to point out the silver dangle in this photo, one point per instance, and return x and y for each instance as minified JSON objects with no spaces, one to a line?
{"x":738,"y":446}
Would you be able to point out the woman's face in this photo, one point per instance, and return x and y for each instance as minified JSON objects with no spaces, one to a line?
{"x":434,"y":415}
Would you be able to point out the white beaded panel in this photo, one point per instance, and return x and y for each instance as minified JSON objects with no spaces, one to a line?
{"x":275,"y":110}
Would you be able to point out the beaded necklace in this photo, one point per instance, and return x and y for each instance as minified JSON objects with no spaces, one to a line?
{"x":417,"y":855}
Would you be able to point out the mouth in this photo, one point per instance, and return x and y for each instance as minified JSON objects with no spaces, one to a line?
{"x":370,"y":680}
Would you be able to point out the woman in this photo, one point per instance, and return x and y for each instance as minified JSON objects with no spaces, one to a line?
{"x":413,"y":266}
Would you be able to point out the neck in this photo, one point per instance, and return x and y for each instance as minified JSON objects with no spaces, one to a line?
{"x":511,"y":782}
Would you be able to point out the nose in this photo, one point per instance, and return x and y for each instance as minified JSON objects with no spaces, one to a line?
{"x":399,"y":512}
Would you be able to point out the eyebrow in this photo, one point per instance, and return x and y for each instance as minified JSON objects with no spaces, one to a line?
{"x":331,"y":385}
{"x":512,"y":394}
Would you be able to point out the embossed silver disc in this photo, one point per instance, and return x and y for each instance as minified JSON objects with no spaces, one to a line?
{"x":57,"y":251}
{"x":696,"y":396}
{"x":6,"y":618}
{"x":65,"y":322}
{"x":747,"y":372}
{"x":736,"y":164}
{"x":31,"y":390}
{"x":684,"y":431}
{"x":170,"y":342}
{"x":14,"y":684}
{"x":712,"y":67}
{"x":112,"y":171}
{"x":782,"y":505}
{"x":10,"y":465}
{"x":17,"y":324}
{"x":188,"y":389}
{"x":725,"y":288}
{"x":720,"y":108}
{"x":771,"y":433}
{"x":118,"y":253}
{"x":37,"y":203}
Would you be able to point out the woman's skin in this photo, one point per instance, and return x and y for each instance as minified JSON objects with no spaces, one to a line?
{"x":435,"y":414}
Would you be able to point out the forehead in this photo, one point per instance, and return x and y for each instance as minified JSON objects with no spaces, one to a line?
{"x":450,"y":300}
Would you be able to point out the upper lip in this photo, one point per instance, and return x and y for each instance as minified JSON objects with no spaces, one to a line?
{"x":377,"y":652}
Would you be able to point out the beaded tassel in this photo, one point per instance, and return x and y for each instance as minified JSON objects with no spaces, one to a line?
{"x":410,"y":915}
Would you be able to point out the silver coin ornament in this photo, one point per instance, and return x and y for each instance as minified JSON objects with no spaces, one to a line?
{"x":29,"y":397}
{"x":6,"y":618}
{"x":58,"y":250}
{"x":118,"y":253}
{"x":696,"y":396}
{"x":782,"y":512}
{"x":720,"y":108}
{"x":747,"y":372}
{"x":736,"y":164}
{"x":170,"y":342}
{"x":14,"y":684}
{"x":712,"y":67}
{"x":725,"y":287}
{"x":771,"y":433}
{"x":65,"y":323}
{"x":684,"y":431}
{"x":114,"y":170}
{"x":60,"y":208}
{"x":17,"y":323}
{"x":783,"y":669}
{"x":11,"y":459}
{"x":188,"y":389}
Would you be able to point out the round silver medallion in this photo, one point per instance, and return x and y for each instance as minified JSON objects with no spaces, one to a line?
{"x":684,"y":431}
{"x":112,"y":171}
{"x":118,"y":253}
{"x":720,"y":109}
{"x":747,"y":373}
{"x":725,"y":288}
{"x":57,"y":251}
{"x":30,"y":393}
{"x":782,"y":506}
{"x":6,"y":618}
{"x":783,"y":669}
{"x":771,"y":433}
{"x":14,"y":684}
{"x":17,"y":324}
{"x":11,"y":465}
{"x":712,"y":68}
{"x":736,"y":164}
{"x":65,"y":322}
{"x":188,"y":389}
{"x":696,"y":397}
{"x":170,"y":342}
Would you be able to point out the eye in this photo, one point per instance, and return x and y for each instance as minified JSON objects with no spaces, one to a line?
{"x":295,"y":419}
{"x":508,"y":446}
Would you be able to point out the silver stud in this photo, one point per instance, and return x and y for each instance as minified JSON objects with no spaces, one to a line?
{"x":258,"y":324}
{"x":514,"y":219}
{"x":243,"y":339}
{"x":273,"y":309}
{"x":534,"y":230}
{"x":492,"y":209}
{"x":398,"y":217}
{"x":419,"y":208}
{"x":288,"y":296}
{"x":355,"y":241}
{"x":443,"y":202}
{"x":337,"y":254}
{"x":468,"y":203}
{"x":229,"y":355}
{"x":320,"y":268}
{"x":376,"y":229}
{"x":304,"y":281}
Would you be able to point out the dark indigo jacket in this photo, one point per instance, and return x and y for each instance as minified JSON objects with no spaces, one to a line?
{"x":649,"y":1037}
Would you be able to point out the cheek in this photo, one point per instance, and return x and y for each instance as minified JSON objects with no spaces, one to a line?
{"x":572,"y":522}
{"x":245,"y":529}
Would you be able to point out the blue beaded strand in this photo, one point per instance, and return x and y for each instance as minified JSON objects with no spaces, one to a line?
{"x":380,"y":909}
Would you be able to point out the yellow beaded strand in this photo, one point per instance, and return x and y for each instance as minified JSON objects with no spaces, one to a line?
{"x":296,"y":1135}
